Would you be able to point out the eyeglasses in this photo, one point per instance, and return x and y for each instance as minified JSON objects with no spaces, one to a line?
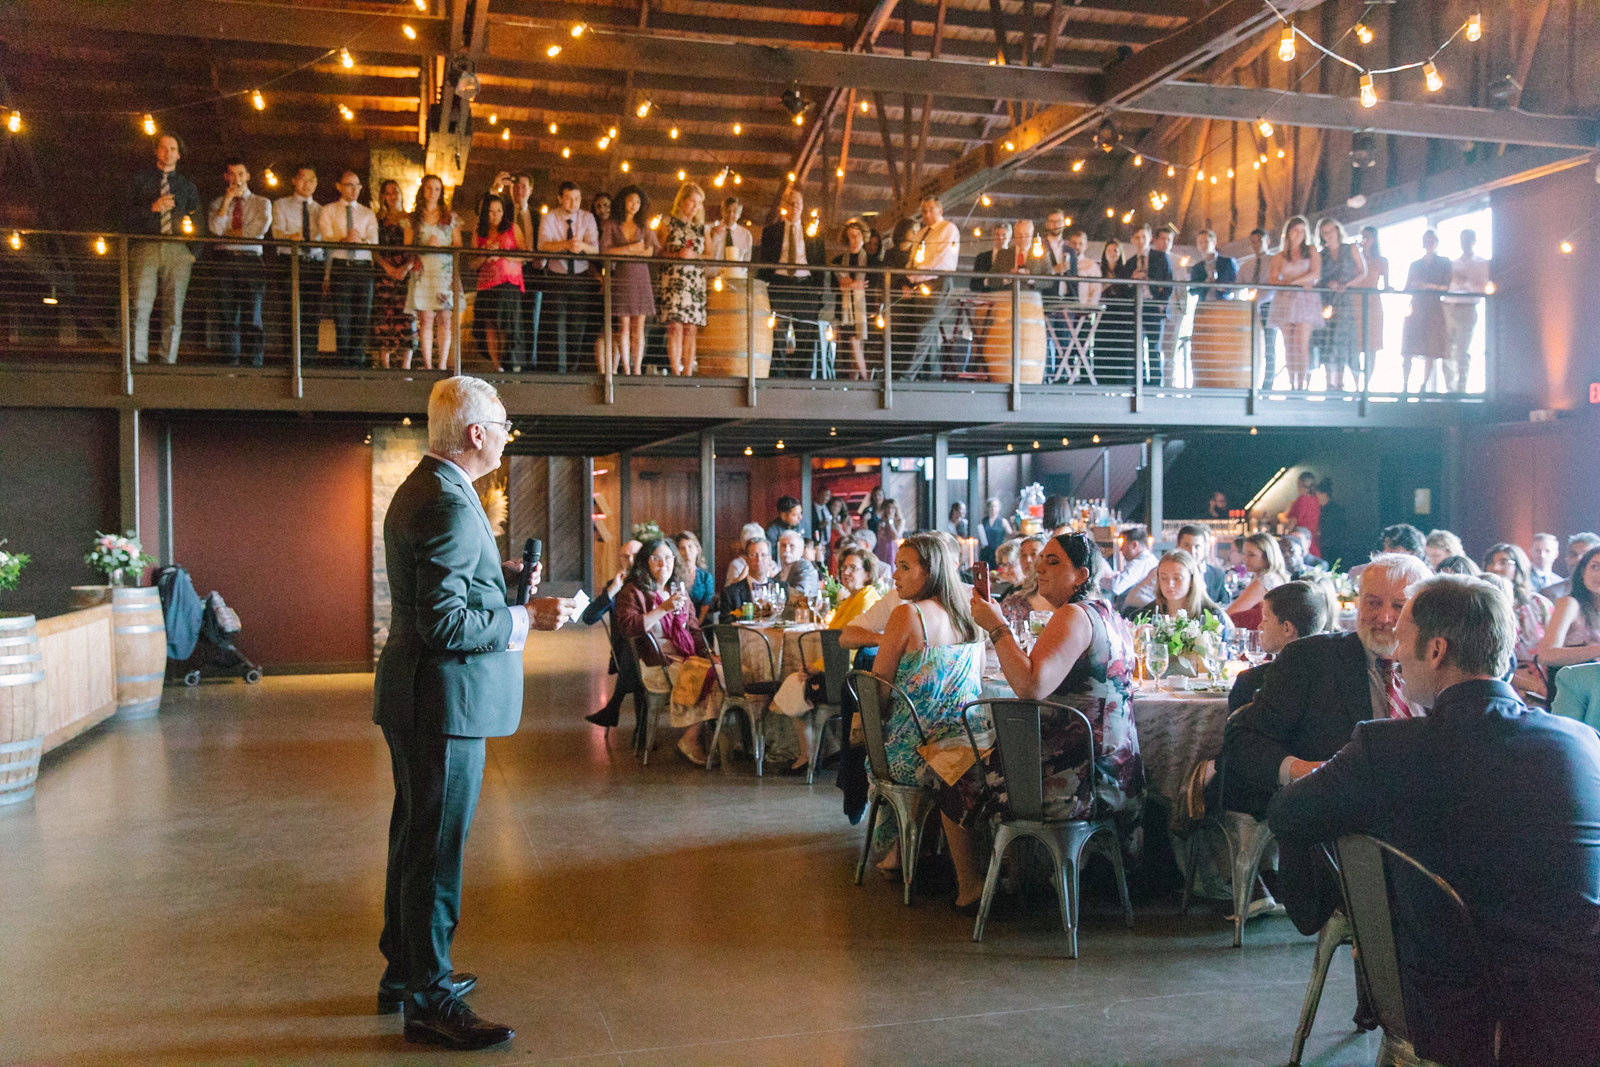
{"x":504,"y":424}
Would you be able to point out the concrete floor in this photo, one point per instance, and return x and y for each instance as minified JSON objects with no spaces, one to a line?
{"x":205,"y":888}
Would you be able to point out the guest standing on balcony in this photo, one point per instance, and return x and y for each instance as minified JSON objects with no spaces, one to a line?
{"x":433,"y":283}
{"x":1368,"y":304}
{"x":499,"y":305}
{"x":938,"y":248}
{"x":853,"y":285}
{"x":571,"y":296}
{"x":395,"y":327}
{"x":1211,"y":266}
{"x":1255,"y":269}
{"x":1336,"y":339}
{"x":160,"y":202}
{"x":296,"y":217}
{"x":348,"y":279}
{"x":632,"y":299}
{"x":1425,"y":337}
{"x":243,"y":285}
{"x":1469,"y":279}
{"x":993,"y":261}
{"x":526,"y":353}
{"x":683,"y":284}
{"x":1296,"y":313}
{"x":795,"y":291}
{"x":729,"y":242}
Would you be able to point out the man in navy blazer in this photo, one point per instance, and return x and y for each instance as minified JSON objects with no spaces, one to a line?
{"x":1501,"y":801}
{"x":1211,"y":267}
{"x":449,"y":676}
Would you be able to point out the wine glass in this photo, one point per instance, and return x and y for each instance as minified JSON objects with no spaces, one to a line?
{"x":1254,"y":654}
{"x":1211,"y":656}
{"x":1156,"y":657}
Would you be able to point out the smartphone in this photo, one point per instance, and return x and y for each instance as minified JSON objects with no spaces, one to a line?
{"x":980,"y":580}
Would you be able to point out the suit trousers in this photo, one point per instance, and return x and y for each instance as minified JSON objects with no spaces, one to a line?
{"x":160,"y":269}
{"x":797,"y":303}
{"x":929,"y":316}
{"x":1461,"y":320}
{"x":436,"y":783}
{"x":568,"y":320}
{"x":242,"y":285}
{"x":279,"y":320}
{"x":351,"y":293}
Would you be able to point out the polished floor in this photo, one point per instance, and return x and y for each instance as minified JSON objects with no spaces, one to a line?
{"x":204,"y":887}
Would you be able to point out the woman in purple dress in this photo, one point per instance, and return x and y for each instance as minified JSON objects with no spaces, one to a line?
{"x":632,"y":299}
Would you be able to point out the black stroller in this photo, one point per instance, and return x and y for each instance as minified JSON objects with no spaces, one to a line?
{"x":200,"y":633}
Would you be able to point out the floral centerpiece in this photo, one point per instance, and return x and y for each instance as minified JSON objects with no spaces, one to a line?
{"x":1189,"y":641}
{"x":1344,"y":587}
{"x":648,"y":530}
{"x":120,"y":559}
{"x":11,"y":564}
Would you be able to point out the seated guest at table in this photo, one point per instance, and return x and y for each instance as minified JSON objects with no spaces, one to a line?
{"x":1314,"y":693}
{"x":890,"y":529}
{"x":1178,"y":587}
{"x":1573,"y":635}
{"x":1303,"y":535}
{"x":993,"y":530}
{"x":647,"y":604}
{"x":1263,"y":562}
{"x":1195,"y":539}
{"x":1440,"y":545}
{"x":1458,"y":565}
{"x":1532,"y":609}
{"x":984,"y":262}
{"x":1288,"y":613}
{"x":1579,"y":697}
{"x":1007,"y":573}
{"x":1135,"y":564}
{"x":736,"y":567}
{"x":1403,"y":537}
{"x":621,"y":656}
{"x":1577,"y":545}
{"x":1024,"y":594}
{"x":703,"y":590}
{"x":1294,"y":558}
{"x":856,"y":572}
{"x":932,"y":650}
{"x":794,"y":570}
{"x":757,"y":561}
{"x":1083,"y":659}
{"x":1543,"y":551}
{"x":1499,"y":801}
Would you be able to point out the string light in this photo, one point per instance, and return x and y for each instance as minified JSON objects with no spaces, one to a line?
{"x":1036,"y":444}
{"x":494,"y":117}
{"x":99,"y":246}
{"x":272,"y":179}
{"x":1264,"y":128}
{"x":553,"y":51}
{"x":1011,"y":146}
{"x":919,"y":255}
{"x":1566,"y":248}
{"x":258,"y":100}
{"x":1037,"y":249}
{"x":683,"y":175}
{"x":1068,"y":221}
{"x":1138,"y":161}
{"x":51,"y":299}
{"x":673,"y":133}
{"x":1255,"y":165}
{"x":1127,"y":217}
{"x":643,"y":109}
{"x":1363,"y":33}
{"x":811,"y":228}
{"x":1280,"y":153}
{"x":738,"y":129}
{"x":188,"y":224}
{"x":1009,"y":446}
{"x":624,"y":166}
{"x":411,"y":34}
{"x":578,"y":28}
{"x":604,"y":143}
{"x":864,"y":107}
{"x":924,"y":290}
{"x":1064,"y":442}
{"x":1369,"y":93}
{"x":716,"y":284}
{"x":346,"y":59}
{"x":779,"y":445}
{"x":880,"y":323}
{"x":1286,"y":43}
{"x":422,"y":5}
{"x":838,"y":172}
{"x":345,"y":113}
{"x":655,"y":222}
{"x":791,"y":178}
{"x":566,"y":153}
{"x":738,"y":179}
{"x":1230,"y":173}
{"x":14,"y":123}
{"x":1261,"y":158}
{"x":1172,"y":171}
{"x":554,"y":129}
{"x":985,"y":201}
{"x":1077,"y":166}
{"x":800,"y":119}
{"x":1213,"y":179}
{"x":722,"y":176}
{"x":505,"y":134}
{"x":772,"y":320}
{"x":150,"y":125}
{"x":1111,"y":212}
{"x":977,"y":231}
{"x":1474,"y":26}
{"x":1095,"y":438}
{"x":1430,"y":75}
{"x":1200,"y":175}
{"x":749,"y":451}
{"x":612,"y":133}
{"x":16,"y":241}
{"x":544,"y":209}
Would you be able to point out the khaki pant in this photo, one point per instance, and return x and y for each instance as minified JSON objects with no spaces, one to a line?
{"x":1461,"y":320}
{"x":159,"y":269}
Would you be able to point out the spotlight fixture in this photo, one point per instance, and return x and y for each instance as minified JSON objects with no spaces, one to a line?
{"x":1503,"y":91}
{"x":793,"y":102}
{"x":468,"y":85}
{"x":1106,"y":136}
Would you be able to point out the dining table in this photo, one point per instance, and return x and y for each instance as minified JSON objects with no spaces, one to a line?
{"x":783,"y":639}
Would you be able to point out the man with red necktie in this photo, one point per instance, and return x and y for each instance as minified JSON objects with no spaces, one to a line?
{"x":243,"y":284}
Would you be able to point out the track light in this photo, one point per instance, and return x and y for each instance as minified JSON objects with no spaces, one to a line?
{"x":793,"y":102}
{"x":1106,"y":136}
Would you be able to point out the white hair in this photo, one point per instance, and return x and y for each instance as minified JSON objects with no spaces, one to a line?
{"x":456,"y":404}
{"x":1400,"y":568}
{"x":749,"y":532}
{"x":791,"y":535}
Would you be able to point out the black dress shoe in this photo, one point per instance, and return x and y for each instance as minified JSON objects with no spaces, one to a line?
{"x":454,"y":1025}
{"x":391,"y":1000}
{"x":607,"y":717}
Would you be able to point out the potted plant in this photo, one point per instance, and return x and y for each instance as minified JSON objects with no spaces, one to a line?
{"x":120,"y":558}
{"x":11,"y":564}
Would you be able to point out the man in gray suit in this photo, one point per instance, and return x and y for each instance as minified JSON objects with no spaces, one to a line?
{"x":449,"y":676}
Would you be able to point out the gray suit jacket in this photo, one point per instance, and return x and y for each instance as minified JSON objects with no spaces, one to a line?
{"x":445,"y":668}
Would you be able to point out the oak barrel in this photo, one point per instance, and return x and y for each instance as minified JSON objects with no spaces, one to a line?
{"x":721,"y":346}
{"x":1219,"y":344}
{"x":139,"y":638}
{"x":22,"y":711}
{"x":997,"y":337}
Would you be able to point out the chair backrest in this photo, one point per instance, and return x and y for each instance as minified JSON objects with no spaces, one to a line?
{"x":1019,"y":749}
{"x":626,"y":656}
{"x":824,"y":644}
{"x":1366,"y":867}
{"x":730,"y":648}
{"x":875,"y":697}
{"x":645,"y":649}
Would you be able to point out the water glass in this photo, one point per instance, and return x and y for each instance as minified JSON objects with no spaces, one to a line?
{"x":1156,"y":658}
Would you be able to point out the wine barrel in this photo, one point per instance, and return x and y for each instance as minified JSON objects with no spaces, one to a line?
{"x":87,"y":596}
{"x":721,"y":347}
{"x":996,"y":345}
{"x":1219,"y":344}
{"x":139,"y":637}
{"x":22,"y":710}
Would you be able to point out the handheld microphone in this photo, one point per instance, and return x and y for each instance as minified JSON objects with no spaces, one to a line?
{"x":532,"y":549}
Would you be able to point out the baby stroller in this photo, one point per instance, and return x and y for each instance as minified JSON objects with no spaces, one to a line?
{"x":200,"y":633}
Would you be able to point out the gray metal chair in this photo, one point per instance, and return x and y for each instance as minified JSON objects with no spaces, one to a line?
{"x":740,"y":694}
{"x":911,"y":801}
{"x":1334,"y":932}
{"x":1365,"y":865}
{"x":1248,"y":839}
{"x":835,"y":669}
{"x":1018,"y":750}
{"x":653,"y":702}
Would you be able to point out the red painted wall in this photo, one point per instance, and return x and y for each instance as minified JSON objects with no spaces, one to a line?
{"x":277,"y":517}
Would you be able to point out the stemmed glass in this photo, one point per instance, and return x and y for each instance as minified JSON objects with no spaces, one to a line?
{"x":1156,"y":657}
{"x":1141,"y":641}
{"x":1254,"y":654}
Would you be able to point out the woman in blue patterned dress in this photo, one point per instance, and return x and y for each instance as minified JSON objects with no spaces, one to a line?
{"x":931,"y":650}
{"x":683,"y":285}
{"x":1084,"y":659}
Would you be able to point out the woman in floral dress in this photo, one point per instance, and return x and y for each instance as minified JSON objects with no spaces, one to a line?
{"x":393,"y":325}
{"x":683,"y":285}
{"x":432,"y":292}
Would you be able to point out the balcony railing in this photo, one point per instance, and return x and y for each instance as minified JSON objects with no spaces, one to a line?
{"x":306,"y":310}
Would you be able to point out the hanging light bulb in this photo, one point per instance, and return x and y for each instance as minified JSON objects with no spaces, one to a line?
{"x":984,"y":200}
{"x":919,"y":255}
{"x":272,"y":179}
{"x":624,"y":166}
{"x":800,"y":119}
{"x":553,"y":51}
{"x":345,"y":113}
{"x":738,"y":128}
{"x":1474,"y":26}
{"x":505,"y":134}
{"x":1010,"y":447}
{"x":1064,"y":442}
{"x":1172,"y":171}
{"x":1138,"y":160}
{"x":838,"y":172}
{"x":422,"y":5}
{"x":1255,"y":164}
{"x":673,"y":133}
{"x":1264,"y":127}
{"x":1095,"y":438}
{"x":99,"y":246}
{"x":643,"y":109}
{"x":578,"y":28}
{"x":716,"y":284}
{"x":749,"y":451}
{"x":1077,"y":166}
{"x":346,"y":60}
{"x":1213,"y":179}
{"x":1261,"y":158}
{"x":1280,"y":153}
{"x":603,"y":143}
{"x":51,"y":299}
{"x":655,"y":222}
{"x":722,"y":176}
{"x":1369,"y":93}
{"x":682,"y":175}
{"x":1037,"y":249}
{"x":791,"y":177}
{"x":1430,"y":75}
{"x":14,"y":123}
{"x":555,"y":128}
{"x":880,"y":320}
{"x":924,"y":290}
{"x":612,"y":133}
{"x":1068,"y":221}
{"x":1127,"y":217}
{"x":1363,"y":33}
{"x":1286,"y":43}
{"x":149,"y":125}
{"x":188,"y":224}
{"x":566,"y":152}
{"x":864,"y":107}
{"x":772,"y":320}
{"x":258,"y":100}
{"x":977,"y":231}
{"x":1111,"y":212}
{"x":1200,"y":175}
{"x":494,"y":117}
{"x":738,"y":179}
{"x":811,"y":228}
{"x":16,"y":241}
{"x":1011,"y":146}
{"x":1230,"y":174}
{"x":411,"y":33}
{"x":544,"y":209}
{"x":1566,"y":248}
{"x":779,"y":445}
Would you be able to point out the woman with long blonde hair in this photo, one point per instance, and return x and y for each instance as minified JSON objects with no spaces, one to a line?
{"x":1263,"y":559}
{"x":683,"y":285}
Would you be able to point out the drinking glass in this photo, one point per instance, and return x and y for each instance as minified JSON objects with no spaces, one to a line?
{"x":1253,"y":652}
{"x":1155,"y":661}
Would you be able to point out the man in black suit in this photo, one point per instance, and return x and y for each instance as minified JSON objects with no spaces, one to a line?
{"x":794,"y":291}
{"x":1146,"y":264}
{"x":1313,"y":695}
{"x":758,"y":560}
{"x":1211,"y":267}
{"x":1291,"y":611}
{"x":1500,"y":801}
{"x":984,"y":262}
{"x":449,"y":676}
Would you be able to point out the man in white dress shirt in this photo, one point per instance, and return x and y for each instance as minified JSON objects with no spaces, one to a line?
{"x":1253,"y":270}
{"x":242,"y":283}
{"x":348,"y":280}
{"x":572,"y":298}
{"x":296,"y":217}
{"x":937,"y":248}
{"x":1469,"y":279}
{"x":1135,"y":562}
{"x":1543,"y":551}
{"x":728,"y":242}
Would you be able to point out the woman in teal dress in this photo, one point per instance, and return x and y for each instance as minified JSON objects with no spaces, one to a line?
{"x":931,"y":650}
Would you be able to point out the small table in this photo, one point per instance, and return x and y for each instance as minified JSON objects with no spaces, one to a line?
{"x":782,"y":743}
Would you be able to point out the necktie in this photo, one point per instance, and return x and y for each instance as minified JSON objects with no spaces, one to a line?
{"x":166,"y":216}
{"x":1394,"y":689}
{"x":569,"y":229}
{"x":305,"y":220}
{"x":794,"y":242}
{"x":727,"y":237}
{"x":1257,"y":276}
{"x":237,"y":223}
{"x":349,"y":220}
{"x":1142,"y":266}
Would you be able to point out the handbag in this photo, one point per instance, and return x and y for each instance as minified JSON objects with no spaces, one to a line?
{"x":695,"y":679}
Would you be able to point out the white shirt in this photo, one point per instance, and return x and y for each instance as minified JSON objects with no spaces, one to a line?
{"x":520,"y":619}
{"x":794,"y":248}
{"x":362,"y":223}
{"x":286,"y":220}
{"x":1542,"y":579}
{"x":1468,"y":274}
{"x":1132,"y":573}
{"x":941,"y":248}
{"x":717,"y":249}
{"x":554,"y":229}
{"x":256,"y":218}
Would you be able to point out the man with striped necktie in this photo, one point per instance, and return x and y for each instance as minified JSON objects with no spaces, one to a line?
{"x":161,"y":202}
